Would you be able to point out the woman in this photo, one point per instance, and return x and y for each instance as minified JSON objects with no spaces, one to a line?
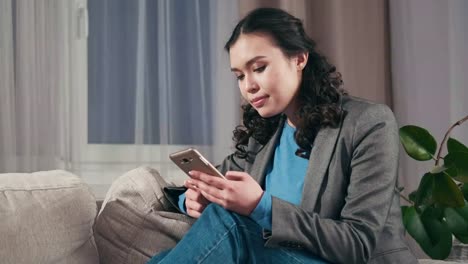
{"x":313,"y":177}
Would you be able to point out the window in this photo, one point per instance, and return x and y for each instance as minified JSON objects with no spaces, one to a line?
{"x":127,"y":80}
{"x":158,"y":81}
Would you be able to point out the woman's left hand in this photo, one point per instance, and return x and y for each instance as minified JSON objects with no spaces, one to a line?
{"x":239,"y":192}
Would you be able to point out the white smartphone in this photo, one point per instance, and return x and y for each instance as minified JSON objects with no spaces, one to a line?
{"x":190,"y":159}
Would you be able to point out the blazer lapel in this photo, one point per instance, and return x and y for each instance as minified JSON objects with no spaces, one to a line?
{"x":320,"y":158}
{"x":264,"y":156}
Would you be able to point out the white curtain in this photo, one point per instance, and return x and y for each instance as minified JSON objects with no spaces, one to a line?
{"x":6,"y":84}
{"x":157,"y":79}
{"x":429,"y":72}
{"x":154,"y":71}
{"x":36,"y":43}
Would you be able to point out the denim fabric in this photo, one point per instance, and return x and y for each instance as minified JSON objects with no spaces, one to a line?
{"x":220,"y":236}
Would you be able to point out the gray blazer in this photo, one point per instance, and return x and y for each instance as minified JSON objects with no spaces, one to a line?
{"x":350,"y":211}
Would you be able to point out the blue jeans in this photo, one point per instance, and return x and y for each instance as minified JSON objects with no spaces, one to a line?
{"x":221,"y":236}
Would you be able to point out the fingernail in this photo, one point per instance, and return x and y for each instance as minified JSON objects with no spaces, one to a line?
{"x":191,"y":173}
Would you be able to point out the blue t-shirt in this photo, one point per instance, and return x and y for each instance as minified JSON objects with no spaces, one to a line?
{"x":284,"y":179}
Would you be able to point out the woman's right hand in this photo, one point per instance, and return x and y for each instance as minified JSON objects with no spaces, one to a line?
{"x":195,"y":202}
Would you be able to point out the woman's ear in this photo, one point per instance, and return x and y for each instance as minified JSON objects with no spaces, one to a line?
{"x":301,"y":60}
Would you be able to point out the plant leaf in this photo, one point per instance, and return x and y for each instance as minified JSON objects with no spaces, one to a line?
{"x":404,"y":209}
{"x":457,"y":162}
{"x":414,"y":226}
{"x":454,"y":145}
{"x":440,"y":234}
{"x":432,"y":234}
{"x":462,"y":238}
{"x":418,"y":142}
{"x":434,"y":212}
{"x":412,"y":196}
{"x":445,"y":192}
{"x":464,"y":190}
{"x":457,"y":222}
{"x":424,"y":192}
{"x":452,"y":171}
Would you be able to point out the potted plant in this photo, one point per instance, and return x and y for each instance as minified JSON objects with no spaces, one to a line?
{"x":437,"y":210}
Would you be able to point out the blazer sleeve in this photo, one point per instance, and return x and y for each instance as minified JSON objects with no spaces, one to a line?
{"x":231,"y":163}
{"x":372,"y":176}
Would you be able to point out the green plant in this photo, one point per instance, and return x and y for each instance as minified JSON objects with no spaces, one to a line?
{"x":438,"y":208}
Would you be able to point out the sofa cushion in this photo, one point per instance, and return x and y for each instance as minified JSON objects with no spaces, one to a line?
{"x":46,"y":217}
{"x":136,"y":220}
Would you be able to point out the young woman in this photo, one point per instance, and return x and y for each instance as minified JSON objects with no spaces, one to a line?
{"x":313,"y":178}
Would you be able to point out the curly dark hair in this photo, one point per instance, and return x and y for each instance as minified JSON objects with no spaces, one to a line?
{"x":320,"y":88}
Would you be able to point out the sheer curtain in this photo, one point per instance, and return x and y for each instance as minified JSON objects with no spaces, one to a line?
{"x":36,"y":83}
{"x":151,"y":66}
{"x":149,"y":72}
{"x":159,"y":80}
{"x":429,"y":72}
{"x":7,"y":122}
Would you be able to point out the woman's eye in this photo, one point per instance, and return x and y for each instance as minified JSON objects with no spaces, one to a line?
{"x":260,"y":69}
{"x":240,"y":77}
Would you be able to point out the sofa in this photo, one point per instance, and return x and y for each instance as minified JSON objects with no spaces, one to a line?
{"x":46,"y":217}
{"x":52,"y":217}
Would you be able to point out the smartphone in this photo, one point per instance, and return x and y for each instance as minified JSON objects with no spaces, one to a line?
{"x":190,"y":159}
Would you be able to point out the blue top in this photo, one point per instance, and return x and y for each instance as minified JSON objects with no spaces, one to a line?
{"x":284,"y":179}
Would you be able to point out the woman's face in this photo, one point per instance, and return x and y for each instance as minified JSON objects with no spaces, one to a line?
{"x":267,"y":78}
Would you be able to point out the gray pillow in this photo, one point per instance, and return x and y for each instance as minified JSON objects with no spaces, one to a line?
{"x":136,"y":220}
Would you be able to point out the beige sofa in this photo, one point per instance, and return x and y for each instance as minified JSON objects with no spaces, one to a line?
{"x":48,"y":217}
{"x":51,"y":217}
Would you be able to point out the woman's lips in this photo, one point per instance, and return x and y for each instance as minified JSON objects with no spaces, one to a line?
{"x":259,"y":101}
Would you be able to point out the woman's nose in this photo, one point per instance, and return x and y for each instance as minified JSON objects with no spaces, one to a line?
{"x":250,"y":85}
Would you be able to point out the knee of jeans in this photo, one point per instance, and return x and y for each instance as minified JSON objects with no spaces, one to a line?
{"x":216,"y":210}
{"x":218,"y":214}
